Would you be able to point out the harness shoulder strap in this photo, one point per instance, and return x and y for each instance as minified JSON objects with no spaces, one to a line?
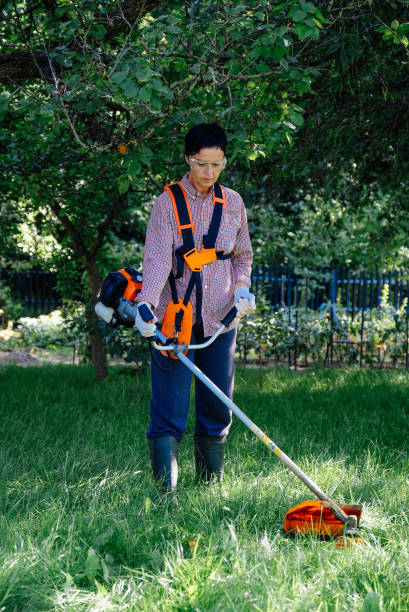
{"x":182,"y":212}
{"x":219,"y":203}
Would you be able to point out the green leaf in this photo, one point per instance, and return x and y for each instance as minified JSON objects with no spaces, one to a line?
{"x":305,"y":31}
{"x":240,"y":136}
{"x":129,"y":88}
{"x":62,"y":10}
{"x":146,"y":154}
{"x":98,"y":32}
{"x":145,"y":94}
{"x":104,"y":537}
{"x":395,"y":24}
{"x":148,"y":505}
{"x":91,"y":107}
{"x":372,"y":602}
{"x":63,"y":60}
{"x":308,"y":6}
{"x":143,"y":73}
{"x":134,"y":168}
{"x":118,"y":77}
{"x":3,"y":105}
{"x":91,"y":564}
{"x":123,"y":184}
{"x":320,"y":16}
{"x":156,"y":102}
{"x":298,"y":15}
{"x":296,"y":118}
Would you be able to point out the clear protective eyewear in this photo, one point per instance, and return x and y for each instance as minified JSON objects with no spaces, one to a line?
{"x":214,"y":165}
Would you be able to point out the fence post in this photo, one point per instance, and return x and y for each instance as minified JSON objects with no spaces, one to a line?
{"x":269,"y":285}
{"x":282,"y":299}
{"x":407,"y":327}
{"x":296,"y":324}
{"x":363,"y":303}
{"x":333,"y":297}
{"x":348,"y":291}
{"x":275,"y":287}
{"x":372,"y":281}
{"x":395,"y":290}
{"x":353,"y":303}
{"x":289,"y":312}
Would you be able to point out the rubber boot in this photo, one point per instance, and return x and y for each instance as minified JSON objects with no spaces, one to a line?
{"x":209,"y":456}
{"x":164,"y":460}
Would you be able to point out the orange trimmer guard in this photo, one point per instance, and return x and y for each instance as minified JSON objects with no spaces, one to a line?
{"x":317,"y":518}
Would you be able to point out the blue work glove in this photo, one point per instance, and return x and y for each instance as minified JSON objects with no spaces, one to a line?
{"x":244,"y":301}
{"x":146,"y":328}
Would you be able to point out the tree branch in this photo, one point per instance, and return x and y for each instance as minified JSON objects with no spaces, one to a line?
{"x":34,"y":64}
{"x":106,"y":223}
{"x":76,"y":239}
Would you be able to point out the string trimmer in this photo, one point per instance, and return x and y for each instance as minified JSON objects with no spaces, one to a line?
{"x":324,"y":517}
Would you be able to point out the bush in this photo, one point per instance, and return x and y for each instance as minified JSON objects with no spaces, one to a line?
{"x":121,"y":343}
{"x":45,"y":331}
{"x":10,"y":308}
{"x":279,"y":334}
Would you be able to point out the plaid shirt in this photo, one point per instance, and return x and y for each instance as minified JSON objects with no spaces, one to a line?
{"x":219,"y":278}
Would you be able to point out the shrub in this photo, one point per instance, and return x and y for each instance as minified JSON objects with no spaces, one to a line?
{"x":10,"y":308}
{"x":278,"y":334}
{"x":45,"y":331}
{"x":121,"y":343}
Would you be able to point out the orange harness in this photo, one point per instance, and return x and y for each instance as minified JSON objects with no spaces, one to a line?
{"x":178,"y":319}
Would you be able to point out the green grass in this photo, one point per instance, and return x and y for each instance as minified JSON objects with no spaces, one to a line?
{"x":83,"y":528}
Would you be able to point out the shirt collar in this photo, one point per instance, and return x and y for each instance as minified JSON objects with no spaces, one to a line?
{"x":190,"y":190}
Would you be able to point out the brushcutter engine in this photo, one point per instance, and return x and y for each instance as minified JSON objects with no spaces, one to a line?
{"x":125,"y":283}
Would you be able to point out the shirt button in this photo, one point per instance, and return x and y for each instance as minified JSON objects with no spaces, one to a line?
{"x":205,"y":286}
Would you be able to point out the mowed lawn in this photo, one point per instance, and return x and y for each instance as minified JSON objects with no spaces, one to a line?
{"x":83,"y":528}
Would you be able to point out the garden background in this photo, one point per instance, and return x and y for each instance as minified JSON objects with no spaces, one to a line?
{"x":95,"y":98}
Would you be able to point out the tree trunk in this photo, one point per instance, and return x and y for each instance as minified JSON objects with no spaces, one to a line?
{"x":99,"y":359}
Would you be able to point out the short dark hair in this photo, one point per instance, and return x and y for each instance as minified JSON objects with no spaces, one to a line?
{"x":205,"y":135}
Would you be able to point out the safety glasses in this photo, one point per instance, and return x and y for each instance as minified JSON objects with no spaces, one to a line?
{"x":214,"y":165}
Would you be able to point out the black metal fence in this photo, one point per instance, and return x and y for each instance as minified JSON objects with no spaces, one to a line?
{"x":356,"y":297}
{"x":35,"y":289}
{"x":362,"y":315}
{"x":356,"y":290}
{"x":281,"y":287}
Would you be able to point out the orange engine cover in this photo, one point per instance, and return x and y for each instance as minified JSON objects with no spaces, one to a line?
{"x":316,"y":517}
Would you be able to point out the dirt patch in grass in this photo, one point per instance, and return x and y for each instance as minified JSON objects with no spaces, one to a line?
{"x":33,"y":356}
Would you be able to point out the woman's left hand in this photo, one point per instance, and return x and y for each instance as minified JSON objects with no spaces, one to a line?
{"x":244,"y":301}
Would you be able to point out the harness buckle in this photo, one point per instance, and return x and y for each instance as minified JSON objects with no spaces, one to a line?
{"x":197,"y":259}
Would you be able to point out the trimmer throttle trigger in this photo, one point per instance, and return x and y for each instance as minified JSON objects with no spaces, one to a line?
{"x":145,"y":313}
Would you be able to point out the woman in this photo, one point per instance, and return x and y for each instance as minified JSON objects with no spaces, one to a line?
{"x":222,"y":282}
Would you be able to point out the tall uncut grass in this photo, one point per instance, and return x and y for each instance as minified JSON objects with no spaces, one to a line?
{"x":82,"y":526}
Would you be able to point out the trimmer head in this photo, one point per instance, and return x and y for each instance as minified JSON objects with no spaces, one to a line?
{"x":317,"y":517}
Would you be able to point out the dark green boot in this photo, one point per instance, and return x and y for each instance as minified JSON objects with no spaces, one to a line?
{"x":164,"y":460}
{"x":209,"y":456}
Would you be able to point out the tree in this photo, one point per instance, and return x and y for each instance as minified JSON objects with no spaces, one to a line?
{"x":95,"y":93}
{"x":339,"y":195}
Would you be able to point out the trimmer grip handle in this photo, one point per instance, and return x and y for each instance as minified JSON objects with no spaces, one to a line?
{"x":231,"y":315}
{"x":146,"y":313}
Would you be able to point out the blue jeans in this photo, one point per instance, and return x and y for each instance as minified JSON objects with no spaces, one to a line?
{"x":171,"y":389}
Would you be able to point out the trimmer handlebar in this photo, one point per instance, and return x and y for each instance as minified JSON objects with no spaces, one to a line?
{"x":128,"y":311}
